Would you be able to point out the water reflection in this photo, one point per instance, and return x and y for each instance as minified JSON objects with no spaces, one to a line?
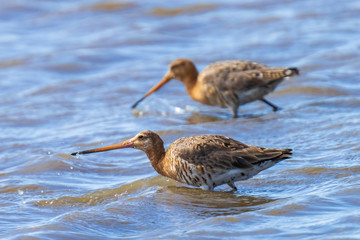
{"x":167,"y":193}
{"x":197,"y":118}
{"x":209,"y":203}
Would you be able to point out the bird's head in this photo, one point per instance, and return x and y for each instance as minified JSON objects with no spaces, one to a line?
{"x":181,"y":69}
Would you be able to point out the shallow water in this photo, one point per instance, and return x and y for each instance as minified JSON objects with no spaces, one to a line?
{"x":71,"y":70}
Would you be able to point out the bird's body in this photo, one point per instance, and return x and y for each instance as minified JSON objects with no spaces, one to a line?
{"x":204,"y":161}
{"x":226,"y":84}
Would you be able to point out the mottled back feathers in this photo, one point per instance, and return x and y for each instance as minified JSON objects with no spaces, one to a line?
{"x":224,"y":152}
{"x":242,"y":75}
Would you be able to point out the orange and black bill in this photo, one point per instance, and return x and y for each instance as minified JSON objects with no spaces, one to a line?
{"x":125,"y":144}
{"x":165,"y":80}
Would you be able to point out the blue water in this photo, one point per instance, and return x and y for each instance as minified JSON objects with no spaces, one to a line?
{"x":70,"y":72}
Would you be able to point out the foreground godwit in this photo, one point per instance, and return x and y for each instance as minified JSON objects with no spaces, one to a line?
{"x":226,"y":84}
{"x":204,"y":161}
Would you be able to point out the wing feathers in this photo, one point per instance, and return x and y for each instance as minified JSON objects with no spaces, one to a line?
{"x":221,"y":152}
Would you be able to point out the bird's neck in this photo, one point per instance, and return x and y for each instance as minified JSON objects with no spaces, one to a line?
{"x":195,"y":89}
{"x":190,"y":80}
{"x":156,"y":157}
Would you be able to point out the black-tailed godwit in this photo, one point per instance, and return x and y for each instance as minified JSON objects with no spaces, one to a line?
{"x":204,"y":161}
{"x":226,"y":84}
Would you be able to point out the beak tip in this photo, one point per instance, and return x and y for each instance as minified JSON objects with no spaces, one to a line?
{"x":74,"y":153}
{"x":137,"y":102}
{"x":167,"y":78}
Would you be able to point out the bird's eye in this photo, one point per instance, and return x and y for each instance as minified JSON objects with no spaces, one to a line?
{"x":141,"y":136}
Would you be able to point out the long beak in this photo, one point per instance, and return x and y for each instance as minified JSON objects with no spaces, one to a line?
{"x":168,"y":76}
{"x":125,"y":144}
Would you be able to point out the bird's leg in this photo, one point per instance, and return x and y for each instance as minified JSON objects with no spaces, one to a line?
{"x":234,"y":112}
{"x":232,"y":185}
{"x":206,"y":188}
{"x":275,"y":108}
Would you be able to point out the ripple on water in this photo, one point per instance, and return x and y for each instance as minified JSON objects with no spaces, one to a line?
{"x":109,"y":6}
{"x":71,"y":70}
{"x":10,"y":63}
{"x":105,"y":195}
{"x":312,"y":90}
{"x":21,"y":189}
{"x":164,"y":12}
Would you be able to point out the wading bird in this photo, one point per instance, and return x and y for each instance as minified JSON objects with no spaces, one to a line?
{"x":226,"y":84}
{"x":204,"y":161}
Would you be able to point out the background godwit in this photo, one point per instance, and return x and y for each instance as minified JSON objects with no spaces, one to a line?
{"x":226,"y":84}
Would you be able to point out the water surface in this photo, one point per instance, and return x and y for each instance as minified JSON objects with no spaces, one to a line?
{"x":71,"y":70}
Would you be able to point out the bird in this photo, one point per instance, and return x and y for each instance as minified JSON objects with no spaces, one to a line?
{"x":227,"y":84}
{"x":204,"y":161}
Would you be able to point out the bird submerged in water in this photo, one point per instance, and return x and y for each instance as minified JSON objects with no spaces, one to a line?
{"x":204,"y":161}
{"x":226,"y":84}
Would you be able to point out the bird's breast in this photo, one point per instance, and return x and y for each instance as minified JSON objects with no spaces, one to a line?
{"x":207,"y":94}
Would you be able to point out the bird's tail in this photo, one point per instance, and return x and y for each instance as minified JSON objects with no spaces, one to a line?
{"x":264,"y":164}
{"x":280,"y":73}
{"x":292,"y":72}
{"x":286,"y":153}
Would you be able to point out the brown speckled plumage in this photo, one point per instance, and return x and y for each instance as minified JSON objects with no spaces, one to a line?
{"x":204,"y":161}
{"x":226,"y":84}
